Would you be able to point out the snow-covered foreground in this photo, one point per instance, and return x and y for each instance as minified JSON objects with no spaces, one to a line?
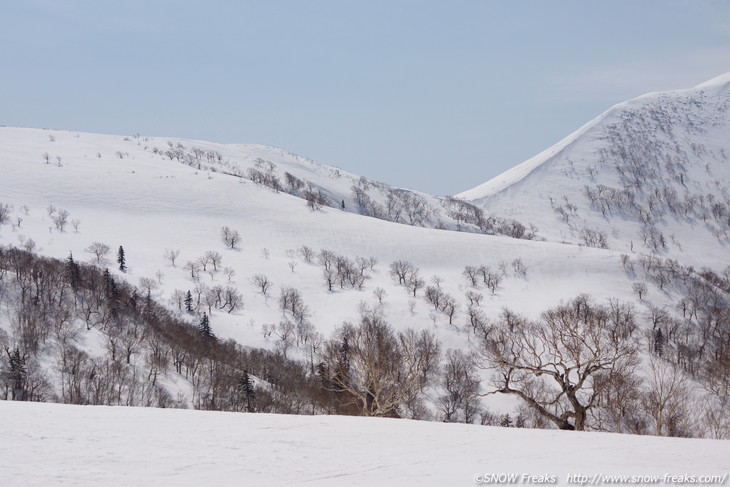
{"x":51,"y":444}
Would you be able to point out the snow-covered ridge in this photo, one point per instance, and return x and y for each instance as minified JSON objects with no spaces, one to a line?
{"x":277,"y":169}
{"x":651,"y":173}
{"x":519,"y":172}
{"x":718,"y":85}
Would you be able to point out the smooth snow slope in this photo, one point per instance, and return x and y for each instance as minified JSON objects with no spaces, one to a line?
{"x":49,"y":444}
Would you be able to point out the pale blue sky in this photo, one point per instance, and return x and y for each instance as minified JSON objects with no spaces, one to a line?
{"x":438,"y":96}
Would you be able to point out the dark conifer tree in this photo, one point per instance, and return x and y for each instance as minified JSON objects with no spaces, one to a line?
{"x":112,"y":293}
{"x":204,"y":328}
{"x":659,"y":340}
{"x":189,"y":302}
{"x":247,"y":390}
{"x":17,"y":372}
{"x":121,"y":259}
{"x":73,"y":272}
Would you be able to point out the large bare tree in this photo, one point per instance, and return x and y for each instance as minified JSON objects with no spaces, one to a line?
{"x":377,"y":370}
{"x":561,"y":364}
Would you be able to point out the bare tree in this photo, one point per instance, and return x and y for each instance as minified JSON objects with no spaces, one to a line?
{"x":460,"y":383}
{"x":60,"y":218}
{"x":449,"y":308}
{"x":171,"y":255}
{"x":370,"y":366}
{"x":99,"y":250}
{"x":214,"y":258}
{"x":148,"y":284}
{"x":639,"y":288}
{"x":307,"y":254}
{"x":519,"y":267}
{"x":230,"y":237}
{"x":315,"y":199}
{"x":203,"y":262}
{"x":329,"y":277}
{"x":290,"y":301}
{"x":262,"y":282}
{"x":667,"y":399}
{"x":471,"y":273}
{"x":231,"y":299}
{"x":193,"y":268}
{"x":399,"y":271}
{"x":493,"y":281}
{"x":414,"y":281}
{"x":379,"y":294}
{"x":552,"y":364}
{"x":474,"y":298}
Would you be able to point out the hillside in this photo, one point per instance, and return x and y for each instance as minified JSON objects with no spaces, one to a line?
{"x":270,"y":167}
{"x":131,"y":446}
{"x":650,"y":175}
{"x":302,"y":276}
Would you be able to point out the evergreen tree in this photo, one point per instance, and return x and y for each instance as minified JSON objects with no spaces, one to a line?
{"x":204,"y":328}
{"x":659,"y":341}
{"x":245,"y":385}
{"x":17,"y":372}
{"x":121,"y":260}
{"x":189,"y":302}
{"x":73,"y":272}
{"x":112,"y":293}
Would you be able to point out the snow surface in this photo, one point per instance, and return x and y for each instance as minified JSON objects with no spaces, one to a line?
{"x":51,"y":444}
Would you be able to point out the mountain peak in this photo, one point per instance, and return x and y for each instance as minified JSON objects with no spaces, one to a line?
{"x":649,"y":175}
{"x":719,"y":83}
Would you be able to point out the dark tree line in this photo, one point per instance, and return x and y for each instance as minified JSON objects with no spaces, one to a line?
{"x":54,"y":301}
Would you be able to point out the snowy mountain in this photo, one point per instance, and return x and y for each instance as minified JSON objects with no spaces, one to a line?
{"x":253,"y":242}
{"x":650,"y":175}
{"x":149,"y":204}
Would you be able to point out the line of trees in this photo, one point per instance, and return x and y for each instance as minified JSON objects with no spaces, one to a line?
{"x":576,"y":367}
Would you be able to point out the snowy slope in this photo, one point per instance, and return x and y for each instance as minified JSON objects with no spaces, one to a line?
{"x":651,"y":174}
{"x":48,"y":444}
{"x":148,"y":204}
